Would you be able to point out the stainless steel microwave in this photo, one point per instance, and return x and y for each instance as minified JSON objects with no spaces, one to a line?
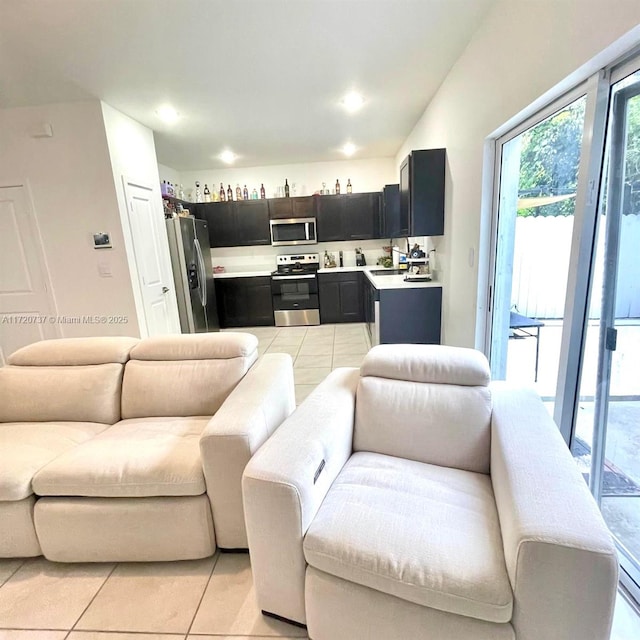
{"x":292,"y":231}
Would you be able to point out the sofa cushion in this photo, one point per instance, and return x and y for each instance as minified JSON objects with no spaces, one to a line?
{"x":26,"y":447}
{"x":74,"y":351}
{"x":61,"y":394}
{"x":187,"y":375}
{"x":442,"y":424}
{"x":196,"y":346}
{"x":133,"y":458}
{"x":436,"y":364}
{"x":426,"y":534}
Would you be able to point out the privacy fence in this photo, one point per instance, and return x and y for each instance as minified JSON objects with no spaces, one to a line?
{"x":541,"y":264}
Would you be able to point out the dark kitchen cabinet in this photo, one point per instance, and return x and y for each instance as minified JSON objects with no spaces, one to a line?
{"x":299,"y":207}
{"x":390,"y":212}
{"x":403,"y":315}
{"x":422,"y":184}
{"x":244,"y":302}
{"x":236,"y":224}
{"x":353,"y":216}
{"x":252,"y":222}
{"x":340,"y":297}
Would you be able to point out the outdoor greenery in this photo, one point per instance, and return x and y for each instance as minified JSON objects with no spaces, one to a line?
{"x":550,"y":157}
{"x":549,"y":160}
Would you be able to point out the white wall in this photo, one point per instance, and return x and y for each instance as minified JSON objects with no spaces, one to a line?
{"x":133,"y":157}
{"x":365,"y":175}
{"x":71,"y":185}
{"x":168,"y":174}
{"x":521,"y":51}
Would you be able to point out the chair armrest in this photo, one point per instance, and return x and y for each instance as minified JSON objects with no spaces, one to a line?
{"x":257,"y":406}
{"x":560,"y":557}
{"x":285,"y":483}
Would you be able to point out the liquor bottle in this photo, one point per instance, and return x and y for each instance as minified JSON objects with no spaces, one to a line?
{"x":163,"y":188}
{"x":263,"y":194}
{"x":254,"y":194}
{"x":229,"y":193}
{"x":286,"y":188}
{"x":349,"y":187}
{"x":245,"y":192}
{"x":198,"y":192}
{"x":180,"y":192}
{"x":207,"y":193}
{"x":238,"y":192}
{"x":337,"y":187}
{"x":221,"y":193}
{"x":214,"y":196}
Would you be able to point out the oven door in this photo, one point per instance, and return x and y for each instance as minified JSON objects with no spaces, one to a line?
{"x":295,"y":300}
{"x":293,"y":231}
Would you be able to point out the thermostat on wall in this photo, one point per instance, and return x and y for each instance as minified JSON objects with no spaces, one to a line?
{"x":101,"y":240}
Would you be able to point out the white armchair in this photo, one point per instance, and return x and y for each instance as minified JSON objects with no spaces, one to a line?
{"x":414,"y":499}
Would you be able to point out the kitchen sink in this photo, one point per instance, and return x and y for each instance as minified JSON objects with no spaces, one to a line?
{"x":388,"y":272}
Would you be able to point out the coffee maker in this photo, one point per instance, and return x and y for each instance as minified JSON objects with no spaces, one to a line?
{"x":360,"y":259}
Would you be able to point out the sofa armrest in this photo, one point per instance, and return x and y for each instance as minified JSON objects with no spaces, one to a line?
{"x":560,"y":557}
{"x":285,"y":483}
{"x":257,"y":406}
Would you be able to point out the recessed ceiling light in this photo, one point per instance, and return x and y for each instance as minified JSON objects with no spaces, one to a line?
{"x":349,"y":149}
{"x":228,"y":156}
{"x":353,"y":101}
{"x":167,"y":114}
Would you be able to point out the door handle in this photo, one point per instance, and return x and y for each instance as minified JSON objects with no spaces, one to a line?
{"x":165,"y":289}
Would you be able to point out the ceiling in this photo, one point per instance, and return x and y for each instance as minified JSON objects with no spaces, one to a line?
{"x":261,"y":77}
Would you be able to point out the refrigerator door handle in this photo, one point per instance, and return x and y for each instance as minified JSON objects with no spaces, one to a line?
{"x":202,"y":273}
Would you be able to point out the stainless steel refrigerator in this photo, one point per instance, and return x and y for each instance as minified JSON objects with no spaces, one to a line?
{"x":193,"y":274}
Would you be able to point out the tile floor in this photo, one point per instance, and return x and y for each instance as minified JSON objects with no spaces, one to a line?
{"x":210,"y":599}
{"x":316,"y":351}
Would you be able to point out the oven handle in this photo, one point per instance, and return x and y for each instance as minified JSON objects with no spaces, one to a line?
{"x":291,"y":277}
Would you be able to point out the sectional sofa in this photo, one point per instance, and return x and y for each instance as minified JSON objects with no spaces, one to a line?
{"x":118,"y":449}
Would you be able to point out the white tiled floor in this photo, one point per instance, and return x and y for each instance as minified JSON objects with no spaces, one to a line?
{"x":316,"y":351}
{"x":210,"y":599}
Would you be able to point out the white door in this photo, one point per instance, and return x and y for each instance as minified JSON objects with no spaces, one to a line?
{"x":26,"y":307}
{"x":153,"y":262}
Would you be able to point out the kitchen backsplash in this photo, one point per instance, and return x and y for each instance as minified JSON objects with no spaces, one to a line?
{"x":263,"y":258}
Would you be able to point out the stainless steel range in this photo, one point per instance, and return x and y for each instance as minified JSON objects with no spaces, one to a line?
{"x":294,"y":287}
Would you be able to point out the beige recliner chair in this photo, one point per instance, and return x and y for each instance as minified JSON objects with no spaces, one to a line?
{"x":412,"y":499}
{"x":160,"y":477}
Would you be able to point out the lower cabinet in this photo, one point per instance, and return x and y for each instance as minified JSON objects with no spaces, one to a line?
{"x":340,"y":297}
{"x":244,"y":302}
{"x":402,"y":316}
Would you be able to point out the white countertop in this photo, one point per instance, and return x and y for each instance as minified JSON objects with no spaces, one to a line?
{"x":379,"y":282}
{"x":243,"y":274}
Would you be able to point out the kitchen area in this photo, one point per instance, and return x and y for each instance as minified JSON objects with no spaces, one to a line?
{"x":352,"y":269}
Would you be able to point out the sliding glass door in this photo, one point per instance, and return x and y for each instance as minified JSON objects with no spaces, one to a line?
{"x":539,"y":170}
{"x":606,"y":440}
{"x":566,"y":266}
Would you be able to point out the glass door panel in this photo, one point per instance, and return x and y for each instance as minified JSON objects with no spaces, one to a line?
{"x":538,"y":184}
{"x":606,"y":440}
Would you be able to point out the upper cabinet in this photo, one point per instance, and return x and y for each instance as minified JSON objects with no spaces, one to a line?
{"x":298,"y":207}
{"x":422,"y":176}
{"x":390,"y":211}
{"x":236,"y":224}
{"x":354,"y":216}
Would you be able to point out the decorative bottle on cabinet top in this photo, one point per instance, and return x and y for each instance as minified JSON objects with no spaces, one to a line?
{"x":238,"y":192}
{"x":229,"y":193}
{"x":221,"y":193}
{"x":207,"y":193}
{"x":337,"y":187}
{"x":198,"y":192}
{"x":245,"y":192}
{"x":286,"y":188}
{"x":349,"y":187}
{"x":263,"y":193}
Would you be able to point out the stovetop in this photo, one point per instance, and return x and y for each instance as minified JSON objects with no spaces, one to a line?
{"x":297,"y":265}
